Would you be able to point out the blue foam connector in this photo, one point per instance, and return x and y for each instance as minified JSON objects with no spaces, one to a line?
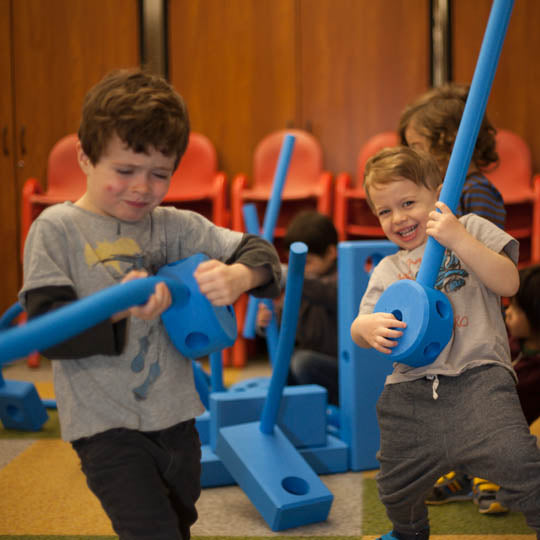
{"x":21,"y":407}
{"x":361,"y":373}
{"x":302,"y":412}
{"x":332,"y":458}
{"x":278,"y":481}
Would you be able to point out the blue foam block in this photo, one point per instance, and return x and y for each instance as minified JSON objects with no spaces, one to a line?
{"x":213,"y":472}
{"x":302,"y":413}
{"x":332,"y":458}
{"x":361,"y":372}
{"x":202,"y":423}
{"x":21,"y":407}
{"x":276,"y":478}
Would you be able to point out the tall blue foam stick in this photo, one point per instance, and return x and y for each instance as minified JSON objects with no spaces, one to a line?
{"x":252,"y":226}
{"x":427,"y":311}
{"x":270,"y":218}
{"x":264,"y":463}
{"x":195,"y":326}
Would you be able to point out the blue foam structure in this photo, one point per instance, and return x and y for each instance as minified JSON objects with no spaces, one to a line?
{"x":301,"y":414}
{"x":202,"y":423}
{"x":361,"y":373}
{"x":425,"y":340}
{"x":270,"y":218}
{"x":265,"y":464}
{"x":20,"y":406}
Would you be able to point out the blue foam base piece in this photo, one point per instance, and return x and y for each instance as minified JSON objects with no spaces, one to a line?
{"x":202,"y":423}
{"x":213,"y":472}
{"x":332,"y":458}
{"x":301,"y":416}
{"x":276,"y":478}
{"x":21,"y":407}
{"x":361,"y":372}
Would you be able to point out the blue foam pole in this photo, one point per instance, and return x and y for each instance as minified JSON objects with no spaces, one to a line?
{"x":10,"y":315}
{"x":469,"y":126}
{"x":270,"y":219}
{"x":252,"y":226}
{"x":287,"y":335}
{"x":216,"y":372}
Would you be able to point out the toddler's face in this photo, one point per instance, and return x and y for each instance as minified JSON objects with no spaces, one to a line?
{"x":125,"y":184}
{"x":403,"y":209}
{"x":318,"y":265}
{"x":516,"y":321}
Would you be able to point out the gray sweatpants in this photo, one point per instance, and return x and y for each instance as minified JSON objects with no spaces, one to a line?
{"x":476,"y":426}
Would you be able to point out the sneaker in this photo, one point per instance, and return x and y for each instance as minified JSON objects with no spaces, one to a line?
{"x":485,"y":497}
{"x":388,"y":536}
{"x":450,"y":488}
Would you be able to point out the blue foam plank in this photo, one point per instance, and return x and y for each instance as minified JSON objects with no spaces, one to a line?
{"x":361,"y":372}
{"x":301,"y":416}
{"x":275,"y":477}
{"x":213,"y":472}
{"x":202,"y":423}
{"x":332,"y":458}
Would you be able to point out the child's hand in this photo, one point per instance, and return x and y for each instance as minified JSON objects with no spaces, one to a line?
{"x":264,"y":316}
{"x":445,"y":227}
{"x":158,"y":302}
{"x":221,"y":283}
{"x":377,"y":330}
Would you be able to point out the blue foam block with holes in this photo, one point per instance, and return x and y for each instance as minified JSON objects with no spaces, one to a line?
{"x":301,"y":416}
{"x":202,"y":423}
{"x":361,"y":372}
{"x":213,"y":472}
{"x":331,"y":458}
{"x":21,"y":407}
{"x":276,"y":478}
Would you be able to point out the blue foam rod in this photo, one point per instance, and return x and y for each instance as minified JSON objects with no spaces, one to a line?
{"x":270,"y":218}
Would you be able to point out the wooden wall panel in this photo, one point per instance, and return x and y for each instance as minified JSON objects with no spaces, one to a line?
{"x":234,"y":64}
{"x":514,"y":101}
{"x":62,"y":48}
{"x":9,"y":279}
{"x":361,"y":63}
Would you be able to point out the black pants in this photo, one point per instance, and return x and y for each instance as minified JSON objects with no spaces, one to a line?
{"x":147,"y":482}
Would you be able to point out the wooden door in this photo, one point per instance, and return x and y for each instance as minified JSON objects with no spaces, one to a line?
{"x":8,"y":191}
{"x":360,"y":63}
{"x":514,"y":102}
{"x":234,"y":63}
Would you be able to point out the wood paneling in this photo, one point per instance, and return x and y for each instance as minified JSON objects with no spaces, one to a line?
{"x":361,"y":63}
{"x":234,"y":63}
{"x":9,"y":280}
{"x":514,"y":101}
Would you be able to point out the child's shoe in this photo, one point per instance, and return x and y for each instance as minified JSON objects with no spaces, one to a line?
{"x":485,"y":496}
{"x":424,"y":535}
{"x":449,"y":488}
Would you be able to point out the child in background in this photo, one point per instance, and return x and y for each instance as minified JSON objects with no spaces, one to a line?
{"x":431,"y":124}
{"x":461,"y":411}
{"x":126,"y":397}
{"x":314,"y":360}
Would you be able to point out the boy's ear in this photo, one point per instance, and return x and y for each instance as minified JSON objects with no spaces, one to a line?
{"x":84,"y":160}
{"x":439,"y":191}
{"x":331,"y":251}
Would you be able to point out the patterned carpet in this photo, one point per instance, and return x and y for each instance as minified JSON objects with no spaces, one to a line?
{"x":44,"y":494}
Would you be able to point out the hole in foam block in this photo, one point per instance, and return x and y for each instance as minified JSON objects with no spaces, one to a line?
{"x":295,"y":485}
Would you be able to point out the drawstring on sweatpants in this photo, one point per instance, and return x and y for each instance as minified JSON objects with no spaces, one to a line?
{"x":434,"y":385}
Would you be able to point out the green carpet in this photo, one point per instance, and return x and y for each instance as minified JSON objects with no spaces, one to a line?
{"x":454,"y":518}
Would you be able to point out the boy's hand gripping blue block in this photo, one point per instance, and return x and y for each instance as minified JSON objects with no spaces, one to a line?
{"x":195,"y":326}
{"x":423,"y":340}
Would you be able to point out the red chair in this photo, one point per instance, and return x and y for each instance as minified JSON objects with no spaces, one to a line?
{"x":65,"y":182}
{"x":521,"y":195}
{"x":307,"y":184}
{"x":352,"y":215}
{"x":197,"y":185}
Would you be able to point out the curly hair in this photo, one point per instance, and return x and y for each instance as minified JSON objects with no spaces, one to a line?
{"x":144,"y":111}
{"x":436,"y":116}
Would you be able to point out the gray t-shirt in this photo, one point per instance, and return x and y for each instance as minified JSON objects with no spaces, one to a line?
{"x":479,"y":335}
{"x":150,"y":385}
